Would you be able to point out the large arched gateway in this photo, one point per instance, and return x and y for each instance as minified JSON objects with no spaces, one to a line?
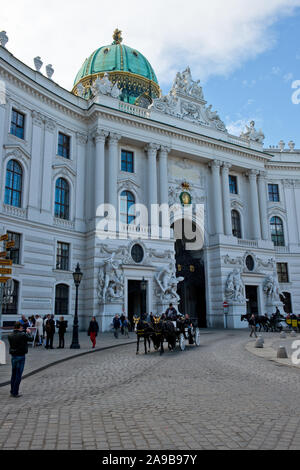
{"x":190,"y":265}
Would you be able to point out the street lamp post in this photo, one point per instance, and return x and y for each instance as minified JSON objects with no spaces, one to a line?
{"x":143,"y":288}
{"x":77,"y":276}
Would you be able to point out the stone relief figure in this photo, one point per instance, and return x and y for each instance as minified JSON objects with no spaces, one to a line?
{"x":235,"y":287}
{"x":186,"y":101}
{"x":80,"y":90}
{"x":215,"y":118}
{"x":272,"y":289}
{"x":167,"y":283}
{"x":104,"y":86}
{"x":252,"y":134}
{"x":110,"y":280}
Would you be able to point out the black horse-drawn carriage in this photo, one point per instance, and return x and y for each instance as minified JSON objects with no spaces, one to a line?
{"x":275,"y":323}
{"x":161,"y":330}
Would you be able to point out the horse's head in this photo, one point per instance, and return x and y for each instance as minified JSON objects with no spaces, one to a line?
{"x":136,"y":321}
{"x":156,"y":320}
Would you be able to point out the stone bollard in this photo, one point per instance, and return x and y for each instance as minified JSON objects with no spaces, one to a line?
{"x":293,"y":334}
{"x":261,"y":338}
{"x":283,"y":335}
{"x":259,"y":344}
{"x":282,"y":353}
{"x":2,"y":354}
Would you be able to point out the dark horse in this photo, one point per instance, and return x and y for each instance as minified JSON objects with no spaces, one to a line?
{"x":143,"y":330}
{"x":261,"y":321}
{"x":163,"y":330}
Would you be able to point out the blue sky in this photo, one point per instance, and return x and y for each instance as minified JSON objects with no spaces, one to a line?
{"x":245,"y":52}
{"x":261,"y":88}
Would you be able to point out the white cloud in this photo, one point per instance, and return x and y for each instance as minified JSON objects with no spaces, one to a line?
{"x":212,"y":37}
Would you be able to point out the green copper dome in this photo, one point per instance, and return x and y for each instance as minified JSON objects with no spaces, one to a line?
{"x":126,"y":66}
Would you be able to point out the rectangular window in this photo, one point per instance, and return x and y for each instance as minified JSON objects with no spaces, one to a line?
{"x":17,"y":125}
{"x":127,"y":161}
{"x":63,"y":145}
{"x":62,"y":256}
{"x":14,"y":253}
{"x":282,"y":271}
{"x":273,"y":192}
{"x":233,"y":188}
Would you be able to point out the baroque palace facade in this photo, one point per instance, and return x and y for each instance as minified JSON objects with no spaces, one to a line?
{"x":115,"y":139}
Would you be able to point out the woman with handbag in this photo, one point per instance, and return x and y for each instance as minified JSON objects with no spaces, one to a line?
{"x":93,"y":331}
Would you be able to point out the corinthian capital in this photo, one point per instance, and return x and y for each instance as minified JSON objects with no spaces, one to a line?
{"x":215,"y":164}
{"x":37,"y":118}
{"x":81,"y":138}
{"x":152,"y":147}
{"x":114,"y":138}
{"x":226,"y":167}
{"x":252,"y":174}
{"x":100,"y":135}
{"x":165,"y":150}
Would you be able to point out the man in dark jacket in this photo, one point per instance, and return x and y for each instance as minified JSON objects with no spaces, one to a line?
{"x":50,"y":331}
{"x":18,"y":342}
{"x":117,"y":325}
{"x":171,"y":313}
{"x":252,"y":324}
{"x":62,"y":326}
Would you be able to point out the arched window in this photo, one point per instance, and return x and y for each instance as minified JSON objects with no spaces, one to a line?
{"x":10,"y":305}
{"x":13,"y":184}
{"x":236,"y":224}
{"x":62,"y":299}
{"x":277,"y":231}
{"x":62,"y":199}
{"x":127,"y":209}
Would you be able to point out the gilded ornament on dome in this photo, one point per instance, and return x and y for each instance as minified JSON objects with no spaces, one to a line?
{"x":117,"y":36}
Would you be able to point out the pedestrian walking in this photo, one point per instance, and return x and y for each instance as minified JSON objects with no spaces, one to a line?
{"x":252,"y":324}
{"x":62,"y":326}
{"x":18,"y":348}
{"x":122,"y":319}
{"x":50,"y":331}
{"x":126,"y":327}
{"x":93,"y":331}
{"x":117,"y":326}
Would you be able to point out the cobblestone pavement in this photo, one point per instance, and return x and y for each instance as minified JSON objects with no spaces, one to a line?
{"x":40,"y":357}
{"x":218,"y":396}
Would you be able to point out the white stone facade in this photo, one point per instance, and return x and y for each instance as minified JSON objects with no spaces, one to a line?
{"x":179,"y":139}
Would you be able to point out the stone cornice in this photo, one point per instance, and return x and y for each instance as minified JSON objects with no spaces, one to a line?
{"x":290,"y":166}
{"x":146,"y":124}
{"x":38,"y":91}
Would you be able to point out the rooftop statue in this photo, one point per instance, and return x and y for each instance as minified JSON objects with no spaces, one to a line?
{"x":104,"y":86}
{"x":186,"y":101}
{"x":252,"y":134}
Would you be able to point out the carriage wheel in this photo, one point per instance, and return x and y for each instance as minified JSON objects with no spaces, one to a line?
{"x":182,"y":342}
{"x":197,"y":337}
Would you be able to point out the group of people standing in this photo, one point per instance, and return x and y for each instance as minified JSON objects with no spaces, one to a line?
{"x":46,"y":329}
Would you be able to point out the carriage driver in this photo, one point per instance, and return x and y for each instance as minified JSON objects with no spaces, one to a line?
{"x":171,"y":313}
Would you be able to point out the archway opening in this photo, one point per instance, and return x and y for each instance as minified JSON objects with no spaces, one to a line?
{"x":190,"y":265}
